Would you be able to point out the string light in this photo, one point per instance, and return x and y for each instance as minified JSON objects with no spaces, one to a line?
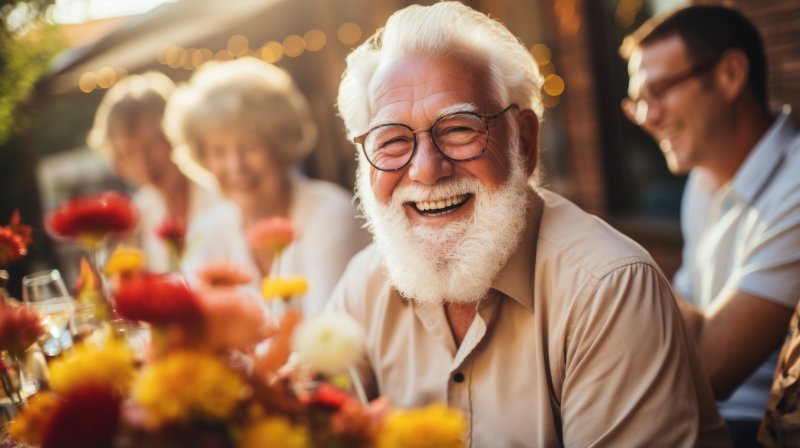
{"x":294,"y":45}
{"x":237,"y":46}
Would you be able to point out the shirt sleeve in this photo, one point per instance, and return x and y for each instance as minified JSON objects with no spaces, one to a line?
{"x":627,"y":335}
{"x":771,"y":256}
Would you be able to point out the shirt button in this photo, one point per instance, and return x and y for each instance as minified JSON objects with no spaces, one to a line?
{"x":458,"y":377}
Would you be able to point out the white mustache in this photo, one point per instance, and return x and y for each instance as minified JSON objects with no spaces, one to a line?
{"x":420,"y":193}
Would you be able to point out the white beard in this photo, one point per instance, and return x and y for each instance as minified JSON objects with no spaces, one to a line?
{"x":458,"y":262}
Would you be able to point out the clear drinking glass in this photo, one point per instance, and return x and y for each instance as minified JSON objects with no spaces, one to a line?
{"x":46,"y":293}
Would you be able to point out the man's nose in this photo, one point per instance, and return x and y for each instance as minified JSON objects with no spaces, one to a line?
{"x":429,"y":165}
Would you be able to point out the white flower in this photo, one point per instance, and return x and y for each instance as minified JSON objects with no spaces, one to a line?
{"x":329,"y":343}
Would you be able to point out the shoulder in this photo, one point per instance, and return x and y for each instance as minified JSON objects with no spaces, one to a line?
{"x":324,"y":208}
{"x":581,"y":241}
{"x":364,"y":286}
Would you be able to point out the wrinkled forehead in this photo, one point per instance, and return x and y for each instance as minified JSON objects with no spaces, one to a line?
{"x":431,"y":86}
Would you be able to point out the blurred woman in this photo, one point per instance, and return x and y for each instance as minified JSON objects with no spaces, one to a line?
{"x":127,"y":130}
{"x":246,"y":123}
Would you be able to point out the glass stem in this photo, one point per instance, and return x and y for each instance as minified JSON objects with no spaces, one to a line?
{"x":358,"y":386}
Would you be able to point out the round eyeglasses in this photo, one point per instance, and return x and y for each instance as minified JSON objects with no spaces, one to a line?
{"x":460,"y":137}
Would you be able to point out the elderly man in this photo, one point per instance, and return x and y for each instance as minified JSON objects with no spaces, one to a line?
{"x":698,"y":86}
{"x":539,"y":322}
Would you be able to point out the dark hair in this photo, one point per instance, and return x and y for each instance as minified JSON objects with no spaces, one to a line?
{"x":707,"y":32}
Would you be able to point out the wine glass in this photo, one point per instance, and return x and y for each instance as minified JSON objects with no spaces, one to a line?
{"x":46,"y":293}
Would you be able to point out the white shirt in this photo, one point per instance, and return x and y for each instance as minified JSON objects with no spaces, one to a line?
{"x":153,"y":211}
{"x":746,"y":237}
{"x":329,"y":235}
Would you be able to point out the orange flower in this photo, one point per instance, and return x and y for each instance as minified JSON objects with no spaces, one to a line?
{"x":223,"y":274}
{"x":91,"y":218}
{"x":157,"y":299}
{"x":23,"y":230}
{"x":12,"y":246}
{"x":272,"y":234}
{"x":14,"y":240}
{"x":20,"y":327}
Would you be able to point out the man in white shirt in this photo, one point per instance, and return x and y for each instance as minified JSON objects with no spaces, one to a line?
{"x":698,"y":86}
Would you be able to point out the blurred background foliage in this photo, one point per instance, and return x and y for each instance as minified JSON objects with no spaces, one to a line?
{"x":27,"y":45}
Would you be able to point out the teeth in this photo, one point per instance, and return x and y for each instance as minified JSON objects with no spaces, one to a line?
{"x":441,"y":203}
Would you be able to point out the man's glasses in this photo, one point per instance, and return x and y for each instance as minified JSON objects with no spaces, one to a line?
{"x":460,"y":137}
{"x":653,"y":95}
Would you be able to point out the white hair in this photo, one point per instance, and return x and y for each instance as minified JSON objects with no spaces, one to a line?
{"x":441,"y":29}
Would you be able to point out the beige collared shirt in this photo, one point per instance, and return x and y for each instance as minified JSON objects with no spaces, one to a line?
{"x":579,"y":343}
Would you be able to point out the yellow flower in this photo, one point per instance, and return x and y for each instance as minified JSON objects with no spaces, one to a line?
{"x":284,"y":288}
{"x":435,"y":426}
{"x":185,"y":385}
{"x":28,"y":425}
{"x":110,"y":365}
{"x":277,"y":432}
{"x":124,"y":260}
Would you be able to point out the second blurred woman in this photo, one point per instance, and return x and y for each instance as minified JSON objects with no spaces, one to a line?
{"x":246,"y":123}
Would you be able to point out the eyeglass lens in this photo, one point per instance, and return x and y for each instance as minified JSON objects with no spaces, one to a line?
{"x":459,"y":136}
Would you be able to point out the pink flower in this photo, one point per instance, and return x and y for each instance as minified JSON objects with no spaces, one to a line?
{"x":88,"y":416}
{"x":93,"y":217}
{"x":173,"y":232}
{"x":223,"y":274}
{"x":272,"y":234}
{"x":157,"y":299}
{"x":20,"y":327}
{"x":232,"y":320}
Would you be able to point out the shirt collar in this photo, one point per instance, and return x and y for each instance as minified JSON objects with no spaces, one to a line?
{"x":762,"y":161}
{"x":515,"y":280}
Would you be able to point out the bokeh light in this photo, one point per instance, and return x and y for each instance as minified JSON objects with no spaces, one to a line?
{"x":542,"y":54}
{"x":553,"y":85}
{"x":88,"y":82}
{"x":294,"y":45}
{"x":237,"y":45}
{"x":349,"y":33}
{"x":315,"y":40}
{"x":106,"y":77}
{"x":271,"y":52}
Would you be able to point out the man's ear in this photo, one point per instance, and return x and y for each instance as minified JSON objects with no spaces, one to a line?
{"x":732,"y":73}
{"x":529,"y":138}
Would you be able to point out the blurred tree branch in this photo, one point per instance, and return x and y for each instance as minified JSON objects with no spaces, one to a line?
{"x":28,"y":42}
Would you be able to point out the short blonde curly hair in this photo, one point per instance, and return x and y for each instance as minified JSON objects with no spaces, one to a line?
{"x":126,"y":104}
{"x":240,"y":93}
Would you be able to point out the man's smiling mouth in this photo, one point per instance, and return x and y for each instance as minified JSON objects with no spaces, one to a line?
{"x":440,"y":206}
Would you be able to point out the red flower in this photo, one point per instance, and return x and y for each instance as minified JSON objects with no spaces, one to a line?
{"x":20,"y":327}
{"x":273,"y":234}
{"x":93,"y":217}
{"x":88,"y":417}
{"x":157,"y":299}
{"x":223,"y":274}
{"x":329,"y":396}
{"x":173,"y":232}
{"x":12,"y":246}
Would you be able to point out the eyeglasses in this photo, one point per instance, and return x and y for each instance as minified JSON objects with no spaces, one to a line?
{"x":653,"y":95}
{"x":460,"y":137}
